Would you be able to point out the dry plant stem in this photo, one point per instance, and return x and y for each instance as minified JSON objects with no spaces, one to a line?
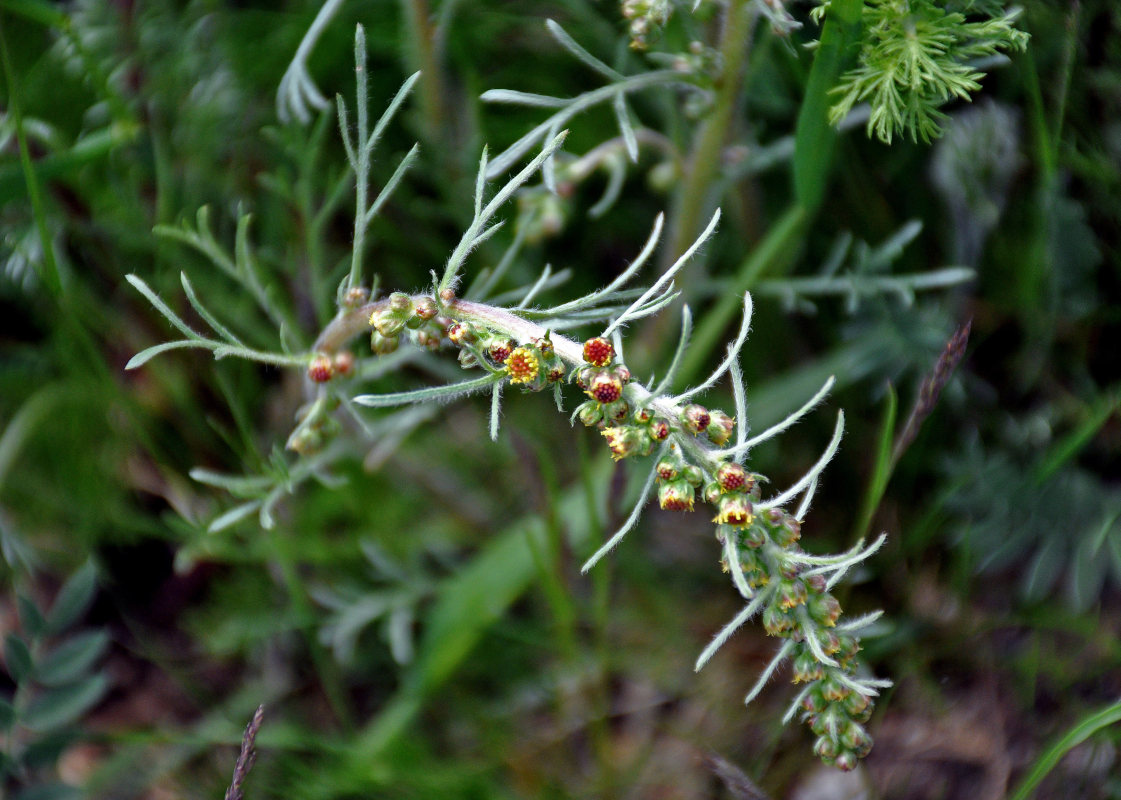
{"x":709,"y":144}
{"x":247,"y":756}
{"x":931,"y":388}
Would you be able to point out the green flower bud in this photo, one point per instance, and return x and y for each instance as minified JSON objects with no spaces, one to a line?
{"x":590,"y":413}
{"x":383,"y":345}
{"x":387,"y":322}
{"x":401,"y":303}
{"x":695,"y":418}
{"x":720,"y":428}
{"x":617,"y":411}
{"x":676,"y":495}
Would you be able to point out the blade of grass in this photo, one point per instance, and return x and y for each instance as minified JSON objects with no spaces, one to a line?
{"x":48,"y":269}
{"x":881,"y":470}
{"x":814,"y":137}
{"x":1086,"y":728}
{"x":1072,"y":444}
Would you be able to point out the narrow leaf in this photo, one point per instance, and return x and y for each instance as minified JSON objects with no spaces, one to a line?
{"x":17,"y":658}
{"x":73,"y":599}
{"x":72,"y":658}
{"x":440,"y":393}
{"x":65,"y":705}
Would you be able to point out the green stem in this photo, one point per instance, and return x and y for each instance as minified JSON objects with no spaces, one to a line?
{"x":777,"y":245}
{"x":422,"y":41}
{"x":692,"y":201}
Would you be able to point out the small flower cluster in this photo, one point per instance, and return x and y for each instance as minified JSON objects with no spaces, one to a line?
{"x":604,"y":382}
{"x":647,"y":18}
{"x":419,"y":317}
{"x":786,"y":585}
{"x":797,"y":606}
{"x":323,"y":368}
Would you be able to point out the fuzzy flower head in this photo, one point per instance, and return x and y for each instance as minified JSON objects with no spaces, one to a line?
{"x":676,"y":495}
{"x":605,"y":388}
{"x":735,"y":510}
{"x":523,"y":365}
{"x":598,"y":351}
{"x":624,"y":441}
{"x":733,"y":478}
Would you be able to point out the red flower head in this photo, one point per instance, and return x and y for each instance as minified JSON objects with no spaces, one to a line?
{"x":605,"y":388}
{"x":733,"y":478}
{"x":598,"y":351}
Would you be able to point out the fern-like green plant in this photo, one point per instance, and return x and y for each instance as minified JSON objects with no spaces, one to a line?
{"x":917,"y":55}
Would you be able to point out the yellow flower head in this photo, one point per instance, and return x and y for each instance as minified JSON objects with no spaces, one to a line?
{"x":523,"y":365}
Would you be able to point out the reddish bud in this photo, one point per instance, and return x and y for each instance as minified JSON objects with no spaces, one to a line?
{"x":499,"y":350}
{"x":344,"y":362}
{"x":426,"y":308}
{"x":735,"y":510}
{"x":598,"y":351}
{"x":555,"y":373}
{"x":643,"y":416}
{"x":545,"y":345}
{"x":617,"y":411}
{"x":320,"y":369}
{"x":447,"y":295}
{"x":731,"y":477}
{"x":695,"y":418}
{"x":605,"y":388}
{"x":666,"y":469}
{"x":659,"y":430}
{"x":461,"y":333}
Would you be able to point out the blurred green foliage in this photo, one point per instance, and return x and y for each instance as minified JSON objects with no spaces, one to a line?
{"x":527,"y":679}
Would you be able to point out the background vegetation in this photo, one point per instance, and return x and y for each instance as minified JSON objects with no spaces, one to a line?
{"x":415,"y":631}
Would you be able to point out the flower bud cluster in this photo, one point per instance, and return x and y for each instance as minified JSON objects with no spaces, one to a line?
{"x":419,"y":318}
{"x":323,"y":368}
{"x":647,"y":18}
{"x":799,"y":607}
